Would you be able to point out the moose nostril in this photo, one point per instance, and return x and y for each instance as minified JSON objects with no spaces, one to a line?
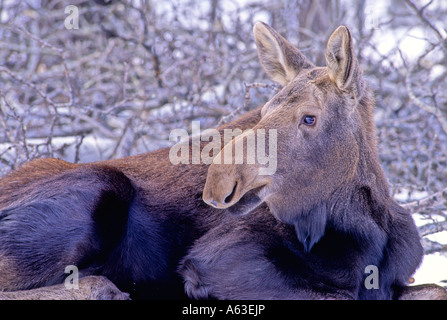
{"x":229,"y":197}
{"x":213,"y":203}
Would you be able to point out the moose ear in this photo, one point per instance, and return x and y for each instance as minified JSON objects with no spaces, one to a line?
{"x":280,"y":59}
{"x":342,"y":63}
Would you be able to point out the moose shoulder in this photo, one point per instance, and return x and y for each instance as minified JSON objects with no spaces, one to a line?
{"x":315,"y":224}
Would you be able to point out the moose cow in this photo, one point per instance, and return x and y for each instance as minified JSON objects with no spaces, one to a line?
{"x":314,"y":225}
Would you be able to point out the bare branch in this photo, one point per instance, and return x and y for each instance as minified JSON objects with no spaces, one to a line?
{"x":247,"y":99}
{"x":440,"y":115}
{"x":427,"y":22}
{"x":432,"y":228}
{"x":433,"y":247}
{"x":436,"y":199}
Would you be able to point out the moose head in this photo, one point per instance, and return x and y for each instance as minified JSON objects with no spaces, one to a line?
{"x":326,"y":145}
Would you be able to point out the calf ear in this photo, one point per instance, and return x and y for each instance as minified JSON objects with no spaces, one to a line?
{"x":280,"y":59}
{"x":342,"y":63}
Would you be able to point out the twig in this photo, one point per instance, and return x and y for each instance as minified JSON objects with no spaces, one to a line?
{"x":22,"y":125}
{"x":77,"y":157}
{"x":125,"y":77}
{"x":33,"y":87}
{"x":442,"y":118}
{"x":435,"y":199}
{"x":421,"y":15}
{"x":431,"y":228}
{"x":433,"y":247}
{"x":43,"y":43}
{"x":247,"y":99}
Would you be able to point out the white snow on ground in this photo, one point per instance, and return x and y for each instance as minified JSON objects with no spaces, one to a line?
{"x":433,"y":268}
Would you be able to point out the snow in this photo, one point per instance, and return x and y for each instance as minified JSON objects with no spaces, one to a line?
{"x":432,"y":270}
{"x":434,"y":266}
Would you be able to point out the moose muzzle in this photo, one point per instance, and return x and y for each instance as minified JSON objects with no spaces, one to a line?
{"x":228,"y":182}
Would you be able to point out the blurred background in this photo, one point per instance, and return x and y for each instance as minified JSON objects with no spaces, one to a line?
{"x":94,"y":80}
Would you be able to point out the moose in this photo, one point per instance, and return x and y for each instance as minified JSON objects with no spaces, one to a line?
{"x":158,"y":230}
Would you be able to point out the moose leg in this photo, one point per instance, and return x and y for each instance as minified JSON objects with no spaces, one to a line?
{"x":75,"y":217}
{"x":254,"y":280}
{"x":230,"y":262}
{"x":89,"y":288}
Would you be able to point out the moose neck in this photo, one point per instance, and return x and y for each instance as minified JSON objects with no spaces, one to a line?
{"x":369,"y":172}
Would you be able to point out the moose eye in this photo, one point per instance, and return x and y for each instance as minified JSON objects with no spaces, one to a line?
{"x":308,"y":120}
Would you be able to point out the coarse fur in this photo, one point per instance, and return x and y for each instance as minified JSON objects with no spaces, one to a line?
{"x":313,"y":226}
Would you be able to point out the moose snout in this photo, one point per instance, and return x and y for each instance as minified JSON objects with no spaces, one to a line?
{"x":228,"y":182}
{"x":226,"y":185}
{"x":221,"y":193}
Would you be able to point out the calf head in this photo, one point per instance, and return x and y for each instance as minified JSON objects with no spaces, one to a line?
{"x":323,"y":121}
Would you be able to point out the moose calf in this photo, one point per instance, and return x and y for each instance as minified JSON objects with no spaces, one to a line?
{"x":307,"y":231}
